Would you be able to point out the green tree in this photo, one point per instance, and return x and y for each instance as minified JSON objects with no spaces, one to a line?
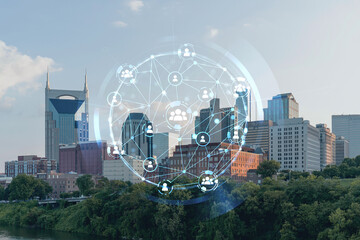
{"x":268,"y":168}
{"x":24,"y":187}
{"x":85,"y":184}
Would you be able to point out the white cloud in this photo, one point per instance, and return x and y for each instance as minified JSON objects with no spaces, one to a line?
{"x":6,"y":103}
{"x":120,"y":24}
{"x":213,"y":32}
{"x":20,"y":71}
{"x":136,"y":5}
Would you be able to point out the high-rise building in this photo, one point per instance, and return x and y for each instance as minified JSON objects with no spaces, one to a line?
{"x":342,"y":149}
{"x":135,"y":141}
{"x":164,"y":144}
{"x":296,"y":145}
{"x":258,"y":134}
{"x":218,"y":122}
{"x":327,"y":146}
{"x":66,"y":118}
{"x":348,"y":126}
{"x":83,"y":158}
{"x":282,"y":106}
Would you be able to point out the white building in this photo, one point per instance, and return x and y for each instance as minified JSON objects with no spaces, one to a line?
{"x":327,"y":146}
{"x":117,"y":170}
{"x":296,"y":145}
{"x":348,"y":126}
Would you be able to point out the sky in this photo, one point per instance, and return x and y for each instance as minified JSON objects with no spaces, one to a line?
{"x":311,"y":48}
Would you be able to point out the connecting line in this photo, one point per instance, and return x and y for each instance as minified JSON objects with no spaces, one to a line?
{"x":224,"y":94}
{"x":190,"y":86}
{"x":141,"y":93}
{"x":184,"y":133}
{"x":191,"y":174}
{"x":182,"y":160}
{"x":191,"y":158}
{"x":181,"y":65}
{"x":117,"y":119}
{"x":173,"y":180}
{"x":174,"y":169}
{"x":161,"y":65}
{"x":197,"y":81}
{"x":158,"y":76}
{"x":187,"y":68}
{"x":215,"y":64}
{"x":219,"y":123}
{"x":207,"y":73}
{"x":163,"y":175}
{"x":150,"y":83}
{"x":204,"y":158}
{"x":140,"y":149}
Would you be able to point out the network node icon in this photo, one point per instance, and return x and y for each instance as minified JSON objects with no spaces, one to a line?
{"x":114,"y":99}
{"x":126,"y":74}
{"x":175,"y":78}
{"x":205,"y":94}
{"x":150,"y":164}
{"x":178,"y":115}
{"x":165,"y":187}
{"x":186,"y":51}
{"x":174,"y":114}
{"x":203,"y":139}
{"x":208,"y":181}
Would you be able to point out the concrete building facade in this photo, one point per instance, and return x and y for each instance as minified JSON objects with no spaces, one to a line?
{"x":116,"y":169}
{"x":327,"y":146}
{"x":296,"y":145}
{"x":259,"y":134}
{"x":348,"y":126}
{"x":342,"y":149}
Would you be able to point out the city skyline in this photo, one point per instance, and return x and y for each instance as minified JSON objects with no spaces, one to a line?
{"x":315,"y":83}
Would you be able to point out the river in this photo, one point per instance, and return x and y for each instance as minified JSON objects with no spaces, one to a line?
{"x":16,"y":233}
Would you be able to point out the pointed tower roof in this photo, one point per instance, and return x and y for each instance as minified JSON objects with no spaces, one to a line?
{"x":85,"y":84}
{"x":47,"y":80}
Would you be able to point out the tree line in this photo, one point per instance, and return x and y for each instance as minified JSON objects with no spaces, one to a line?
{"x":300,"y":207}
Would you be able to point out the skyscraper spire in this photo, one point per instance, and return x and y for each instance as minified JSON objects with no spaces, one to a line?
{"x":85,"y":84}
{"x":47,"y":80}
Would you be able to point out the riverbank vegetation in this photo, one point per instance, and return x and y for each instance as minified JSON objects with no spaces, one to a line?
{"x":304,"y":207}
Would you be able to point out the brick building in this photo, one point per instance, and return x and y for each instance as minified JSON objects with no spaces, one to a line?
{"x":218,"y":160}
{"x":29,"y":165}
{"x":83,"y":158}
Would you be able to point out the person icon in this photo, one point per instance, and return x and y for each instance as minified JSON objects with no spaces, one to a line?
{"x":236,"y":136}
{"x":184,"y":117}
{"x":172,"y":115}
{"x":207,"y":181}
{"x":150,"y":166}
{"x":205,"y":94}
{"x":165,"y":188}
{"x":202,"y":139}
{"x":186,"y":52}
{"x":178,"y":117}
{"x":149,"y":130}
{"x":175,"y":79}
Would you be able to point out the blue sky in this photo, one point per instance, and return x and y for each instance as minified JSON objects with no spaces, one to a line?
{"x":311,"y":47}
